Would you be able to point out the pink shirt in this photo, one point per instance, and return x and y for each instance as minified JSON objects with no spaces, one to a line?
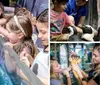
{"x":59,"y":21}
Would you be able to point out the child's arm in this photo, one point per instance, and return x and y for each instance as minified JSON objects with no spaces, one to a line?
{"x":23,"y":76}
{"x":44,"y":80}
{"x":79,"y":30}
{"x":70,"y":22}
{"x":66,"y":72}
{"x":4,"y":32}
{"x":3,"y":21}
{"x":81,"y":21}
{"x":61,"y":37}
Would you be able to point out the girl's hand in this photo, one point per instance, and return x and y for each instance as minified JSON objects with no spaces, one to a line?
{"x":25,"y":57}
{"x":76,"y":68}
{"x":66,"y":72}
{"x":25,"y":60}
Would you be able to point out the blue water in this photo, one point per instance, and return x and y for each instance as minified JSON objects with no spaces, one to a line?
{"x":8,"y":78}
{"x":4,"y":78}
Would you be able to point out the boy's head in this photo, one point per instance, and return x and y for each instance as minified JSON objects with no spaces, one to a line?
{"x":42,"y":27}
{"x":59,"y":5}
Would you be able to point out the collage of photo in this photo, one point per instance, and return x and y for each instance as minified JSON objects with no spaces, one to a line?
{"x":49,"y":42}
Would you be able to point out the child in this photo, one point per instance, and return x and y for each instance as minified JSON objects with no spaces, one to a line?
{"x":19,"y":32}
{"x":40,"y":65}
{"x":2,"y":17}
{"x":55,"y":70}
{"x":60,"y":21}
{"x":21,"y":27}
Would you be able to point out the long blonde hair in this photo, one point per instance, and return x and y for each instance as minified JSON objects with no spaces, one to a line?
{"x":52,"y":75}
{"x":97,"y":67}
{"x":97,"y":70}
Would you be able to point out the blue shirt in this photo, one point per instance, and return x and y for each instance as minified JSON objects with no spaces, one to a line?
{"x":34,"y":6}
{"x":71,"y":10}
{"x":55,"y":82}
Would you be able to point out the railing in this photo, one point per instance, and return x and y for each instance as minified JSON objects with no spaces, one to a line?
{"x":28,"y":73}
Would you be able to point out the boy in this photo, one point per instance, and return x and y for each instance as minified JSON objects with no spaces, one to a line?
{"x":40,"y":65}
